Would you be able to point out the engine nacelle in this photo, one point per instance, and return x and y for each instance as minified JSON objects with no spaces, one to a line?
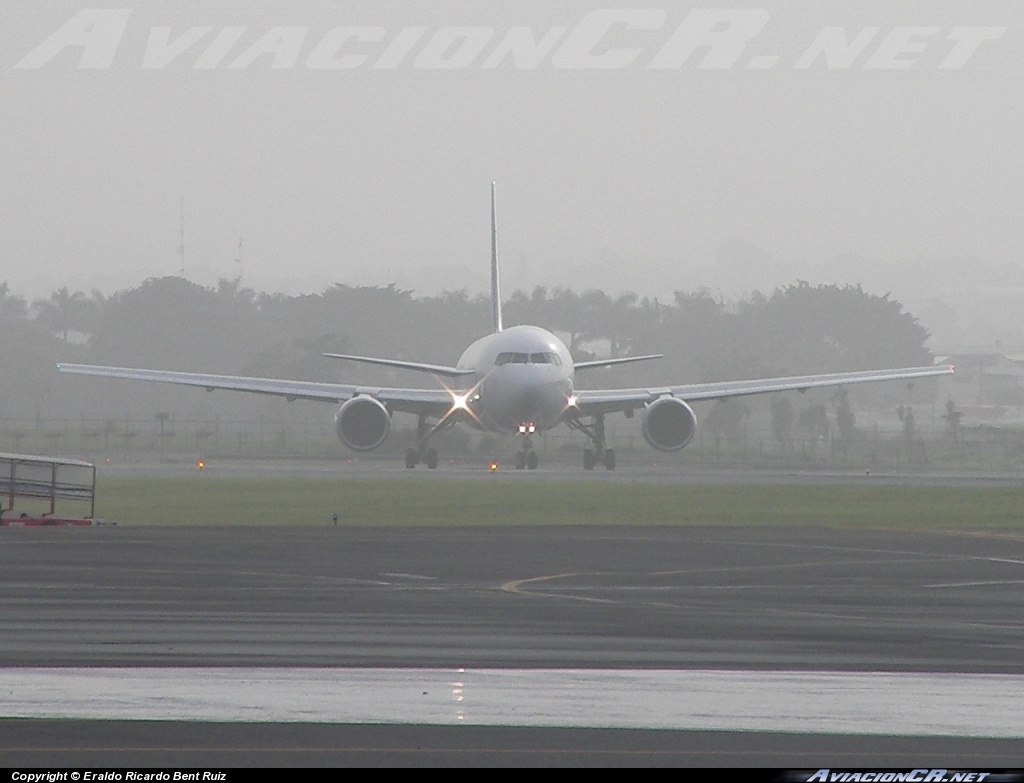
{"x":362,"y":423}
{"x":668,"y":424}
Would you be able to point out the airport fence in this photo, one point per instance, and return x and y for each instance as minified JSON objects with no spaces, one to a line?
{"x":168,"y":438}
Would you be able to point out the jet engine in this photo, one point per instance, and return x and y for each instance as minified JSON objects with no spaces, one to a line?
{"x":668,"y":423}
{"x":362,"y":423}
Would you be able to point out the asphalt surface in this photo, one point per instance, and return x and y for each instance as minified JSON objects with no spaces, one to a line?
{"x":795,"y":599}
{"x":223,"y":746}
{"x":530,"y":597}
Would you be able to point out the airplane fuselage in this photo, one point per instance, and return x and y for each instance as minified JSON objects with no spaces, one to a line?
{"x":522,"y":380}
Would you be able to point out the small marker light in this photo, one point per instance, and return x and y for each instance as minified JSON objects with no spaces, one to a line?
{"x":200,"y":464}
{"x":492,"y":467}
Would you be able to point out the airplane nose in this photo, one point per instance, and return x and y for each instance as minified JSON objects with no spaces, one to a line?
{"x":525,"y":395}
{"x":541,"y":405}
{"x":527,"y":405}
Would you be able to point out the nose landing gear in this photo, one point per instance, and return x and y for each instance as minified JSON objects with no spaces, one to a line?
{"x":526,"y":457}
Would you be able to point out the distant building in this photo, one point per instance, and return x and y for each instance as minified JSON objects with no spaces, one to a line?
{"x":986,"y":386}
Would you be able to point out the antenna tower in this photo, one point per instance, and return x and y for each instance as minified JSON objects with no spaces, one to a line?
{"x":240,"y":260}
{"x":181,"y":246}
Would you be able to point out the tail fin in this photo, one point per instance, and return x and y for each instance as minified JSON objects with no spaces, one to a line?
{"x":495,"y":288}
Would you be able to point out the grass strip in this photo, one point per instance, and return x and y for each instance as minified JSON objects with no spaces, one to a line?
{"x":206,"y":500}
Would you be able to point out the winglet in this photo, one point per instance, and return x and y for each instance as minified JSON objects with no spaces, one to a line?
{"x":495,"y":289}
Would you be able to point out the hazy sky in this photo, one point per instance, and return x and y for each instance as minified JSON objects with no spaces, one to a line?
{"x":626,"y":176}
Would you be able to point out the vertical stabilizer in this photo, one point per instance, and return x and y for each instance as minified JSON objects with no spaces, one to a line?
{"x":495,"y":288}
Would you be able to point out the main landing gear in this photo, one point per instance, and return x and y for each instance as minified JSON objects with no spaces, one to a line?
{"x":427,"y":456}
{"x":600,"y":454}
{"x":592,"y":457}
{"x":420,"y":454}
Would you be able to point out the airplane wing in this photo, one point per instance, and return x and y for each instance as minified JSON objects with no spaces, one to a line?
{"x":431,"y":402}
{"x":433,"y":369}
{"x":612,"y":400}
{"x":610,"y":362}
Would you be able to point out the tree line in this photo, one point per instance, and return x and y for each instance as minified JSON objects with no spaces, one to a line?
{"x":171,"y":323}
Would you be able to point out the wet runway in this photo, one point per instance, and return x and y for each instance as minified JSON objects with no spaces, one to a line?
{"x":875,"y":703}
{"x":798,"y":602}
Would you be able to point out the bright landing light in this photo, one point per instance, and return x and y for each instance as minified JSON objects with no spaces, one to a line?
{"x":460,"y":402}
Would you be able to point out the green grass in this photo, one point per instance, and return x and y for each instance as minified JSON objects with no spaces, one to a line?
{"x":206,"y":500}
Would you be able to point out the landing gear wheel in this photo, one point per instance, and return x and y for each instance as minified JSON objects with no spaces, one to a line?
{"x":432,"y":459}
{"x":531,"y":460}
{"x":609,"y":459}
{"x":410,"y":458}
{"x":588,"y":459}
{"x":520,"y":460}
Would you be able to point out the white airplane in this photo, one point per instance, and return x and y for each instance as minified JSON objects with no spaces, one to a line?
{"x":516,"y":380}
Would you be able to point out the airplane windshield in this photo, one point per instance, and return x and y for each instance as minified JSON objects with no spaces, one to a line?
{"x":510,"y":357}
{"x":545,"y":358}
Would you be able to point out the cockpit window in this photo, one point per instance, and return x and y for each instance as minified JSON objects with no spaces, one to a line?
{"x":545,"y":358}
{"x":509,"y":357}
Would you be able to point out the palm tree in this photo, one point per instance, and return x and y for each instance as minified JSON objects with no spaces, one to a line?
{"x":569,"y":315}
{"x":620,"y":322}
{"x":62,"y":312}
{"x":12,"y":307}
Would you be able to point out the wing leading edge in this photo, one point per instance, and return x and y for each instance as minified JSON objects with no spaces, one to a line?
{"x":433,"y":369}
{"x":426,"y":401}
{"x":612,"y":400}
{"x":610,"y":362}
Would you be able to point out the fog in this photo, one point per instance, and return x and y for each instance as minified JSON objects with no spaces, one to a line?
{"x":899,"y":171}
